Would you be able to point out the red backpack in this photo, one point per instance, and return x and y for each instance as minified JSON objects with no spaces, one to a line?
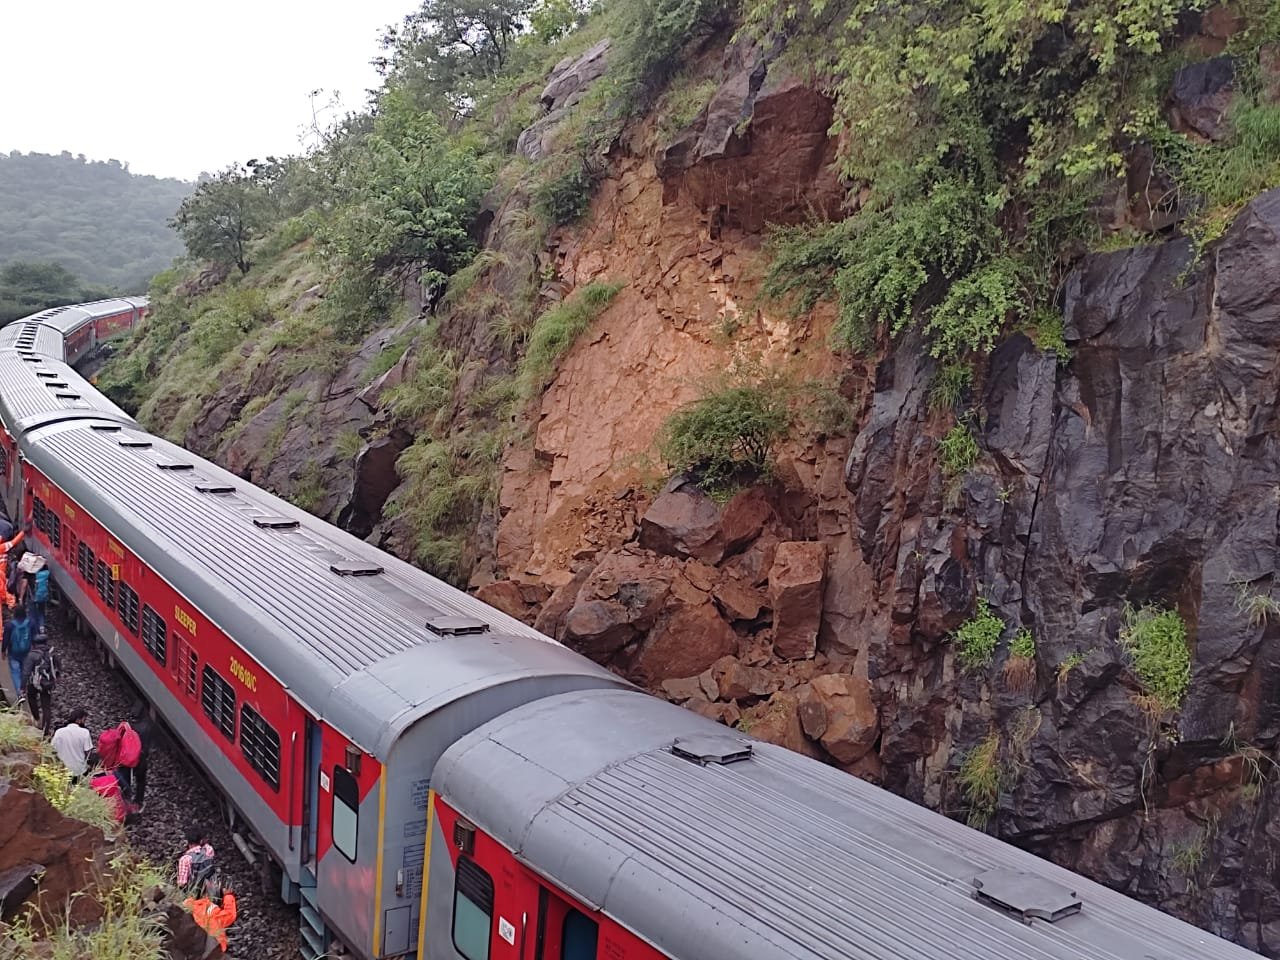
{"x":130,"y":745}
{"x":108,"y":786}
{"x":109,"y":748}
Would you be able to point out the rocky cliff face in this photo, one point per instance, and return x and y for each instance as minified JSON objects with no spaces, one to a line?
{"x":818,"y":610}
{"x":818,"y":613}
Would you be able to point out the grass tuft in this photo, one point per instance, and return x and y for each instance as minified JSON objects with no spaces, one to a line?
{"x":976,"y":638}
{"x":1156,"y":640}
{"x":980,"y":780}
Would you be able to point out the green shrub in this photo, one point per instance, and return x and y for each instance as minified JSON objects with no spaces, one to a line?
{"x":1020,"y":669}
{"x":728,"y":435}
{"x":949,"y":385}
{"x":387,"y":358}
{"x":1023,"y":644}
{"x":1156,"y":639}
{"x":556,"y":330}
{"x":957,"y":451}
{"x":980,"y":778}
{"x":977,"y":637}
{"x":565,"y":198}
{"x":444,"y":485}
{"x":227,"y":321}
{"x":684,"y":99}
{"x":429,"y":390}
{"x":127,"y":927}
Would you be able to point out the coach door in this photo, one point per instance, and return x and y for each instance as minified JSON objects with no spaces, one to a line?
{"x":564,"y":931}
{"x":310,"y":797}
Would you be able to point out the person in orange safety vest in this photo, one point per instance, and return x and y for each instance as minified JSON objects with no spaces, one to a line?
{"x":213,"y":919}
{"x":5,"y":548}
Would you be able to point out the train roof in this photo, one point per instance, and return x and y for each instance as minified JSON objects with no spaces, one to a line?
{"x":61,"y":319}
{"x":36,"y":391}
{"x":714,"y":852}
{"x":367,"y":641}
{"x":68,"y":319}
{"x":32,"y":336}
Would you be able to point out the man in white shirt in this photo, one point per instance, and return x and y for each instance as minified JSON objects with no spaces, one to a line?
{"x":73,"y":744}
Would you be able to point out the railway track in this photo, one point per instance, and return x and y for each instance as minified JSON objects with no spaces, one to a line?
{"x":177,"y":794}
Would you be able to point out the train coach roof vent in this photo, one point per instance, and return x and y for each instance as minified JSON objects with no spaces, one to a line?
{"x":175,"y":465}
{"x":67,"y":395}
{"x":134,"y":443}
{"x":106,"y":427}
{"x":1025,"y":895}
{"x":712,"y":748}
{"x":354,"y":568}
{"x":46,"y":375}
{"x":456,"y":626}
{"x":215,"y":488}
{"x":56,"y":384}
{"x":275,"y":522}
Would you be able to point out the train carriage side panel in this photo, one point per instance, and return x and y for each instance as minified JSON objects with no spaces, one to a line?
{"x":113,"y":325}
{"x":237,"y":720}
{"x":79,"y":342}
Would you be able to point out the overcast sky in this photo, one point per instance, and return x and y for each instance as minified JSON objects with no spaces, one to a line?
{"x":173,"y":87}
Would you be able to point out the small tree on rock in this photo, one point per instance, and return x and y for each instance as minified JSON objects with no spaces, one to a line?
{"x":223,"y":216}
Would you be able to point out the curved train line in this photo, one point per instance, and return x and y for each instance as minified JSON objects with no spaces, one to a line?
{"x":436,"y":779}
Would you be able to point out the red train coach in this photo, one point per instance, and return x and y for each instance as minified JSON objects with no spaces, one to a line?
{"x":315,"y":678}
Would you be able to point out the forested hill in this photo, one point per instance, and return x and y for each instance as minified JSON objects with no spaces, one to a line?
{"x":106,"y":225}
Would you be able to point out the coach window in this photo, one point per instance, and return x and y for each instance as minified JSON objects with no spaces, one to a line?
{"x":86,"y":563}
{"x":472,"y":910}
{"x":260,"y":745}
{"x":106,"y":585}
{"x":346,"y":812}
{"x":579,"y":937}
{"x":218,"y":701}
{"x":129,"y":608}
{"x":154,"y":633}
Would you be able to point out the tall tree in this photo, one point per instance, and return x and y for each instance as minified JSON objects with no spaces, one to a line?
{"x":445,"y":46}
{"x":223,"y":216}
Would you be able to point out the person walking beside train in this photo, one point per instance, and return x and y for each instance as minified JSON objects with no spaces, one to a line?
{"x":146,"y":732}
{"x":73,"y":743}
{"x":41,"y":672}
{"x":15,"y":643}
{"x":40,"y":595}
{"x":5,"y":549}
{"x":198,"y":862}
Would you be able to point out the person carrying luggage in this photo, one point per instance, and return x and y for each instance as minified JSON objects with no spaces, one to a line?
{"x":40,"y":669}
{"x":198,"y":863}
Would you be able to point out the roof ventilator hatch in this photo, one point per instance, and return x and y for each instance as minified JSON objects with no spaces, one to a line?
{"x":275,"y":522}
{"x":456,"y":626}
{"x":47,"y":374}
{"x":106,"y":427}
{"x":174,"y":465}
{"x":134,"y":444}
{"x":1026,"y":896}
{"x":354,"y":568}
{"x":711,"y":748}
{"x":215,"y":488}
{"x":67,"y":395}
